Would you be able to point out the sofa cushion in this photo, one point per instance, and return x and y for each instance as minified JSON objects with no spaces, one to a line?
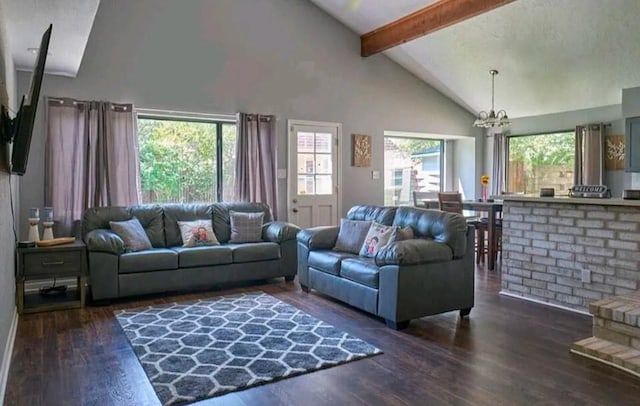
{"x":246,"y":227}
{"x":149,"y":260}
{"x":152,"y":221}
{"x":132,"y":233}
{"x":99,"y":217}
{"x":182,"y":212}
{"x":197,"y":233}
{"x":328,"y":261}
{"x":259,"y":251}
{"x":203,"y":256}
{"x":351,"y":235}
{"x":222,"y":222}
{"x":361,"y":270}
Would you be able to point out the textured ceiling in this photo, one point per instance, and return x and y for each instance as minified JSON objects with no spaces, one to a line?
{"x":26,"y":21}
{"x":553,"y":55}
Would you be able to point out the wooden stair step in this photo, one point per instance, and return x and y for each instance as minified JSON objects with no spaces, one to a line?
{"x":622,"y":309}
{"x":610,"y":353}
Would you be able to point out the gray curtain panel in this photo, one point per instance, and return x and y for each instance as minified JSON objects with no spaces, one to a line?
{"x":255,"y":172}
{"x":589,"y":156}
{"x":498,"y":175}
{"x":91,"y":154}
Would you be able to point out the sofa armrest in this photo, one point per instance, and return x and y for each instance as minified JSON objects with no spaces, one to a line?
{"x":413,"y":252}
{"x":319,"y":238}
{"x":279,"y":231}
{"x":102,"y":240}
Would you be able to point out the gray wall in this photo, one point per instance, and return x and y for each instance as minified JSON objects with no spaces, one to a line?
{"x":465,"y":178}
{"x":284,"y":57}
{"x":7,"y":243}
{"x":616,"y":180}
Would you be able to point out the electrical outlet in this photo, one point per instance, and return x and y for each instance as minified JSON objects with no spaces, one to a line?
{"x":586,"y":276}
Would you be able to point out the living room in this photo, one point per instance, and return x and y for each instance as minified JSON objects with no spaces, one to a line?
{"x":300,"y":63}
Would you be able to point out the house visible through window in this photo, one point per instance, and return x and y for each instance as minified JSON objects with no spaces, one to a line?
{"x":186,"y":161}
{"x":411,"y":165}
{"x":537,"y":161}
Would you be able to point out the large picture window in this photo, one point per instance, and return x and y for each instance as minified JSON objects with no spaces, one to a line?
{"x":537,"y":161}
{"x":411,"y":165}
{"x":186,"y":161}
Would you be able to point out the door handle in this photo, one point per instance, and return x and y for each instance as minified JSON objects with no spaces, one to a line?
{"x":295,"y":200}
{"x":295,"y":210}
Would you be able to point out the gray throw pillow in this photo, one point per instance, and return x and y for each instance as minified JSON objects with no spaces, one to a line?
{"x":405,"y":233}
{"x":246,"y":227}
{"x":351,"y":235}
{"x":132,"y":233}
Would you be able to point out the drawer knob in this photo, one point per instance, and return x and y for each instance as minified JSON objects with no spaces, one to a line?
{"x":53,"y":263}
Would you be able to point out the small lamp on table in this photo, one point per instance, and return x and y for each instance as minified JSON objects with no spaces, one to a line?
{"x":48,"y":224}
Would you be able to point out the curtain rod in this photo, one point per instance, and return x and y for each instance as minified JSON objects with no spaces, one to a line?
{"x":66,"y":100}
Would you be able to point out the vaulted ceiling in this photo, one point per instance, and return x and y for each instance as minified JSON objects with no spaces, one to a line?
{"x":553,"y":55}
{"x":26,"y":21}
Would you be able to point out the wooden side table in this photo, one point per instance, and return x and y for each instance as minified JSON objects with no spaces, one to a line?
{"x":62,"y":261}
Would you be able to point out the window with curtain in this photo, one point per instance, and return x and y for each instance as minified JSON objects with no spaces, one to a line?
{"x":411,"y":165}
{"x":540,"y":160}
{"x":186,"y":161}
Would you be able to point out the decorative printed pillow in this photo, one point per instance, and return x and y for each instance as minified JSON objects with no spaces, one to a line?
{"x":246,"y":227}
{"x":132,"y":233}
{"x":377,"y":237}
{"x":351,"y":235}
{"x":197,"y":233}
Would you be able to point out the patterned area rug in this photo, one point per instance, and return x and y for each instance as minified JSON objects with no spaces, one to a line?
{"x":192,"y":351}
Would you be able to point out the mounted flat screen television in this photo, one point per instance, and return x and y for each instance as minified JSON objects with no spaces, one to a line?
{"x":22,"y":125}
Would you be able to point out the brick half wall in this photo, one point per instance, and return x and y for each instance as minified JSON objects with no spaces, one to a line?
{"x":547,"y":245}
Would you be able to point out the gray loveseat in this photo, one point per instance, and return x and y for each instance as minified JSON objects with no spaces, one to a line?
{"x":170,"y":267}
{"x":430,"y":274}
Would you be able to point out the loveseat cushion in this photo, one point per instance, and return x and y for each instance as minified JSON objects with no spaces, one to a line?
{"x":258,"y":251}
{"x":328,"y":261}
{"x":414,"y":252}
{"x":158,"y":259}
{"x":442,"y":227}
{"x":379,"y":214}
{"x":361,"y":270}
{"x":203,"y":256}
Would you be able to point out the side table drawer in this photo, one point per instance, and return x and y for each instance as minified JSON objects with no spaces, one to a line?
{"x":55,"y":264}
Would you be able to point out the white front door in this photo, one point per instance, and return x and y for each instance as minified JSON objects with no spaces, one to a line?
{"x":313,"y":174}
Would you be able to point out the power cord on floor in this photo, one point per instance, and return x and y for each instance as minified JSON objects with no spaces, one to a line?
{"x":53,"y":290}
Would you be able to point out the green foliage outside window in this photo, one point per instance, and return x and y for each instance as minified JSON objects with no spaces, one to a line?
{"x":178,"y":161}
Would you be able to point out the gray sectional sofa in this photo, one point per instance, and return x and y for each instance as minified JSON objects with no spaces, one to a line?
{"x":430,"y":274}
{"x":170,"y":267}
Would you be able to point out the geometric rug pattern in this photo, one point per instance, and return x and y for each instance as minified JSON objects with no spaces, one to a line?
{"x":196,"y":350}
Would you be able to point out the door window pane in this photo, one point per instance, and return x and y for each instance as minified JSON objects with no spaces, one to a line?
{"x":537,"y":161}
{"x":306,"y":185}
{"x":305,"y":142}
{"x":324,"y":185}
{"x":323,"y":142}
{"x":411,"y":165}
{"x":314,"y":163}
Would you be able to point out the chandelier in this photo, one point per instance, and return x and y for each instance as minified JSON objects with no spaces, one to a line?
{"x":492,"y":119}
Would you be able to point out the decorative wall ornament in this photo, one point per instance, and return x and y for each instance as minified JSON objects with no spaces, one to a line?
{"x":361,"y":146}
{"x":614,"y":152}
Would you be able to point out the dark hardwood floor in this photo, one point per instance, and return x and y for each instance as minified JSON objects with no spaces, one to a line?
{"x":509,"y":352}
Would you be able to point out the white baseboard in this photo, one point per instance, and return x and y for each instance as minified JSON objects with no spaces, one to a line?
{"x":509,"y":294}
{"x":6,"y":357}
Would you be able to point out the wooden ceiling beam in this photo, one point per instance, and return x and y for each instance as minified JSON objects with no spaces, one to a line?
{"x":432,"y":18}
